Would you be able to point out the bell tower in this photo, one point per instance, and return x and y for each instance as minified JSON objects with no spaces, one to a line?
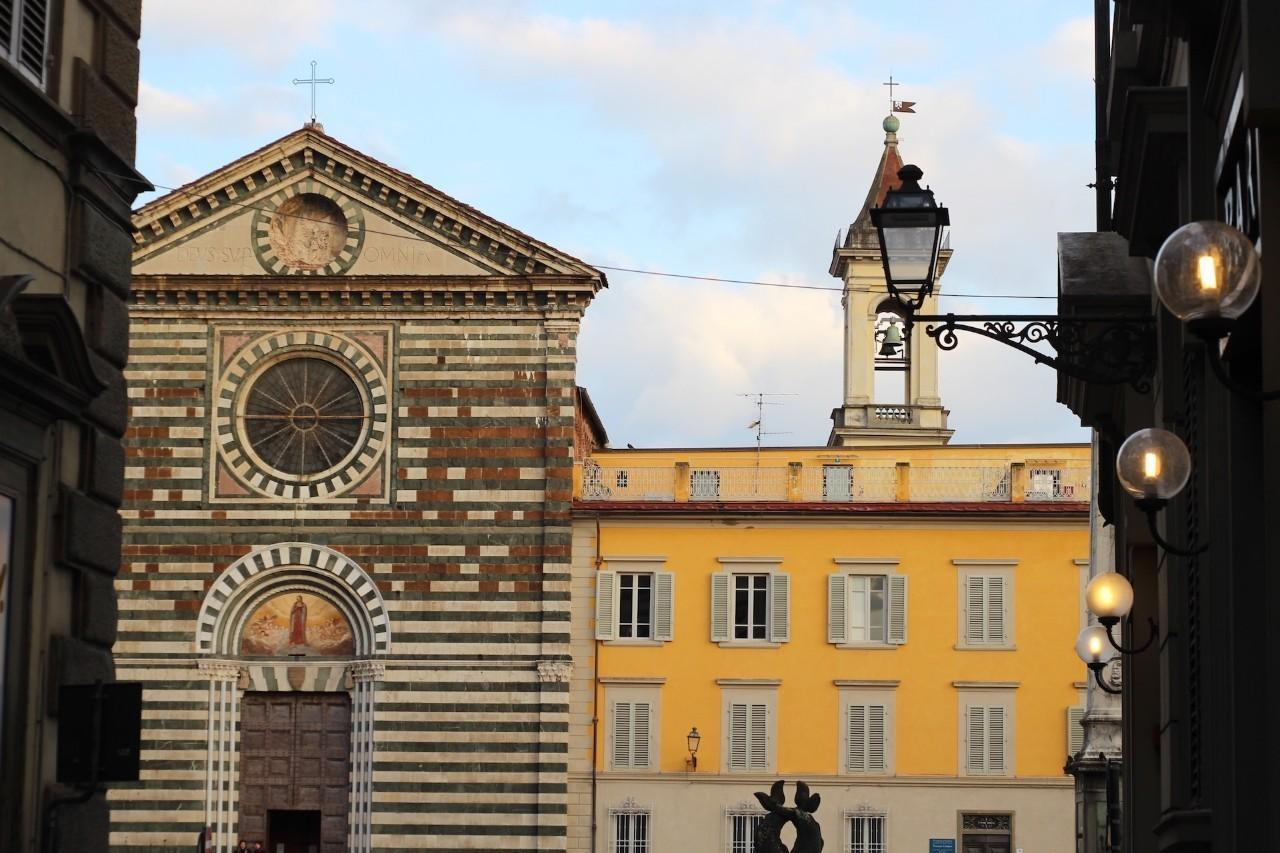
{"x":890,"y":380}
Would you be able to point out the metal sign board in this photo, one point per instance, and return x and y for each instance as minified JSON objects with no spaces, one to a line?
{"x":942,"y":845}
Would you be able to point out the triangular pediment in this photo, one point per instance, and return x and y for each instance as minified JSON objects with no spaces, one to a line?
{"x":308,"y":205}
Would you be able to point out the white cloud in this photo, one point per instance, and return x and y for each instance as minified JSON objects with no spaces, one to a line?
{"x":268,"y":33}
{"x":252,"y":110}
{"x":1070,"y":49}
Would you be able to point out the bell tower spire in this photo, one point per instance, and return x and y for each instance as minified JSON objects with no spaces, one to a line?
{"x":890,"y":380}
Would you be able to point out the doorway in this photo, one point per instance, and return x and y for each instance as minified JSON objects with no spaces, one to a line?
{"x":293,"y":831}
{"x":295,"y":764}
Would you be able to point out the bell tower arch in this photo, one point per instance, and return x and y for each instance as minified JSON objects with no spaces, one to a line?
{"x":890,"y":379}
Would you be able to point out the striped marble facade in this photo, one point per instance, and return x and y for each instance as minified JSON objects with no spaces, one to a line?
{"x":453,"y":569}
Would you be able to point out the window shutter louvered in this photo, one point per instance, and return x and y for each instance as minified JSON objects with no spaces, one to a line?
{"x":837,"y":608}
{"x":975,"y":611}
{"x":606,"y":605}
{"x":32,"y":35}
{"x":737,"y":736}
{"x":720,"y":608}
{"x":995,"y":610}
{"x":759,"y":738}
{"x":875,"y":738}
{"x":6,"y":26}
{"x":1075,"y":729}
{"x":664,"y":606}
{"x":640,"y":735}
{"x":622,"y":734}
{"x":995,"y":739}
{"x":857,"y":757}
{"x":897,"y":633}
{"x":779,"y":607}
{"x":976,"y":747}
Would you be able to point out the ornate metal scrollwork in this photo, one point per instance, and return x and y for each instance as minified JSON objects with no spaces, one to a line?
{"x":1101,"y":349}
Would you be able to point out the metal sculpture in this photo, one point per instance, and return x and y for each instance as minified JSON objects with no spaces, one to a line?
{"x":768,"y":836}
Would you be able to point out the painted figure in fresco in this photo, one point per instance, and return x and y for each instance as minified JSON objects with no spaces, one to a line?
{"x":298,"y":623}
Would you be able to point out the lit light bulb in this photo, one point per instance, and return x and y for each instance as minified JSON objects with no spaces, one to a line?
{"x":1208,"y":273}
{"x":1095,"y":646}
{"x":1151,"y":465}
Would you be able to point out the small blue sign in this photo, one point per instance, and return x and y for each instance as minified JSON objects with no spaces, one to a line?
{"x":942,"y":845}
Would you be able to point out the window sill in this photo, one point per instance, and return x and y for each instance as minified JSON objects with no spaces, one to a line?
{"x":961,"y":647}
{"x":743,"y":771}
{"x":867,"y":774}
{"x":629,"y":641}
{"x":873,"y":646}
{"x":748,"y":644}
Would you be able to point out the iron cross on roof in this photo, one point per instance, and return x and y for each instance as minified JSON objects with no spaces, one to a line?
{"x":313,"y":80}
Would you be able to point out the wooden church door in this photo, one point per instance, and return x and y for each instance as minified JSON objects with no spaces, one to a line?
{"x":294,"y":771}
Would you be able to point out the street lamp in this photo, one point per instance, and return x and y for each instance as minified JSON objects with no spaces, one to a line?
{"x":1095,"y":648}
{"x":1153,"y":465}
{"x":694,"y":741}
{"x":909,"y":227}
{"x":1207,"y":274}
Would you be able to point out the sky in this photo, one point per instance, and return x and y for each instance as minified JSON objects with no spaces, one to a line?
{"x":725,"y":139}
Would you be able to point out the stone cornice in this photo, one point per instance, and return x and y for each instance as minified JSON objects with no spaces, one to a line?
{"x":570,"y":294}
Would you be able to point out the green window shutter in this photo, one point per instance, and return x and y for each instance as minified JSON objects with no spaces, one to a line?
{"x":664,"y":606}
{"x":779,"y":607}
{"x":720,"y":607}
{"x":837,"y":608}
{"x":606,"y":605}
{"x":897,"y":619}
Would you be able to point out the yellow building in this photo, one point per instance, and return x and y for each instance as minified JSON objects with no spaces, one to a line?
{"x":889,"y":618}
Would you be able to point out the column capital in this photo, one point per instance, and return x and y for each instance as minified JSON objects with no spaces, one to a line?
{"x":367,"y":670}
{"x":221,"y":670}
{"x":554,"y":671}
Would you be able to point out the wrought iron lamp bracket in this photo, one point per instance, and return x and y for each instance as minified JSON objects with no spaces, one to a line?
{"x":1097,"y":676}
{"x":1102,"y":349}
{"x":1110,"y":624}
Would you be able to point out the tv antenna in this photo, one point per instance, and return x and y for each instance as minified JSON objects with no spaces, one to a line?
{"x":760,"y":402}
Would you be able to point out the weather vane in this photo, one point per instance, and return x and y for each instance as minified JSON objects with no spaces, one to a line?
{"x":898,"y":106}
{"x":313,"y":81}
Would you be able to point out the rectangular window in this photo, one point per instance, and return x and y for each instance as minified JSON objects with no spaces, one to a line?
{"x":985,"y":740}
{"x":748,"y":736}
{"x":985,"y":610}
{"x":866,"y":730}
{"x":866,"y":608}
{"x":630,"y":831}
{"x":704,"y":485}
{"x":631,"y":727}
{"x":837,"y":482}
{"x":742,"y":830}
{"x":750,"y":607}
{"x":24,"y":34}
{"x":635,"y":605}
{"x":866,"y":833}
{"x":1045,"y":484}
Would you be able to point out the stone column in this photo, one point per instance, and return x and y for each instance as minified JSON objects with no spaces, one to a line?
{"x":362,"y":679}
{"x":220,"y":759}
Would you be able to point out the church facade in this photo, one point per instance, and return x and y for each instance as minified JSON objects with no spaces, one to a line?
{"x":347,"y":513}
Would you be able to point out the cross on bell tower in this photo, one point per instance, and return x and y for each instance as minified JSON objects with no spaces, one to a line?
{"x":890,"y":378}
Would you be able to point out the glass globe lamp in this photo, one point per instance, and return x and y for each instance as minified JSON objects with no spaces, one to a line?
{"x":1094,"y":647}
{"x":1153,"y":465}
{"x":1109,"y":596}
{"x":1207,"y":274}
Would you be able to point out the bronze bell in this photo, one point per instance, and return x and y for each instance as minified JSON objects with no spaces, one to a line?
{"x":892,"y":342}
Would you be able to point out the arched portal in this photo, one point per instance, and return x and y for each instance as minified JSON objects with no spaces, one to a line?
{"x":291,"y":637}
